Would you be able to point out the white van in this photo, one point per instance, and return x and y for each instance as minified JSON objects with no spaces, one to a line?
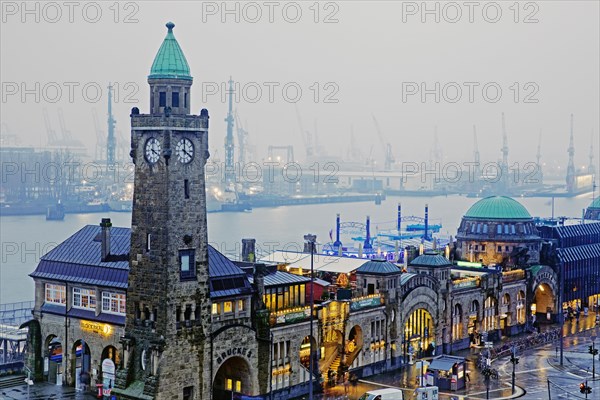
{"x":383,"y":394}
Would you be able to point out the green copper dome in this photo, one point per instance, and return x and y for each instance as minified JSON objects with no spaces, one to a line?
{"x":498,"y":207}
{"x":595,"y":203}
{"x":170,"y":63}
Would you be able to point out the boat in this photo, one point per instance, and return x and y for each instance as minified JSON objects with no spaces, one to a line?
{"x":55,"y":212}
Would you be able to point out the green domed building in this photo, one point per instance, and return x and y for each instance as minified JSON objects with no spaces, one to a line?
{"x":593,"y":211}
{"x":498,"y":230}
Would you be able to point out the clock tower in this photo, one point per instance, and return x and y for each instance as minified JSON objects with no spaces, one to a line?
{"x":168,"y":303}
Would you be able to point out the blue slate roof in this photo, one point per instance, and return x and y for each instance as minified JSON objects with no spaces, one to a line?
{"x":579,"y":253}
{"x":430,"y":260}
{"x":378,"y":267}
{"x":78,"y":260}
{"x":84,"y":248}
{"x":281,"y":278}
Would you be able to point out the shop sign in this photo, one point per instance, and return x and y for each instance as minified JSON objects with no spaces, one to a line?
{"x":293,"y":316}
{"x":234,"y":351}
{"x":96,"y":327}
{"x":364,"y":303}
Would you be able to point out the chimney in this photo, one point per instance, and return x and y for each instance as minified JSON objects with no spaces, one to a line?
{"x":249,"y":250}
{"x":105,"y":224}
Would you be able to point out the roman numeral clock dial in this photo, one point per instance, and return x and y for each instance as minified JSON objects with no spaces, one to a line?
{"x":185,"y":151}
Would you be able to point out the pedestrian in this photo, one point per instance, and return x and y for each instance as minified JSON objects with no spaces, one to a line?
{"x":346,"y":383}
{"x":467,"y":372}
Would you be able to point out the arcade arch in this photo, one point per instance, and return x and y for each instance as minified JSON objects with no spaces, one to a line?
{"x":80,"y":365}
{"x":543,"y":300}
{"x":233,"y":377}
{"x":457,"y":322}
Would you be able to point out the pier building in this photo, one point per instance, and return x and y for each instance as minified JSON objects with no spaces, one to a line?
{"x":154,"y":312}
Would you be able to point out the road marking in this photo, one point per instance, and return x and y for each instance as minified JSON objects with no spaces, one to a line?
{"x":532,"y":370}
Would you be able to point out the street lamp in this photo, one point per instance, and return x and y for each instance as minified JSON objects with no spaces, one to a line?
{"x":593,"y":351}
{"x":514,"y":360}
{"x":311,"y":239}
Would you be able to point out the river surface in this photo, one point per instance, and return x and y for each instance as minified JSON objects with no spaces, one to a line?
{"x":25,"y":239}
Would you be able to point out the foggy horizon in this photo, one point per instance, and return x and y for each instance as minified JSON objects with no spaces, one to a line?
{"x":363,"y":62}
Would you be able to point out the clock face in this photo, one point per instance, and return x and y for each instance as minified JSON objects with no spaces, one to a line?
{"x":185,"y":151}
{"x":152,"y":151}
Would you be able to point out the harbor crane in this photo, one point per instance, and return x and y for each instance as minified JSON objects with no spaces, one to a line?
{"x":52,"y":138}
{"x":387,"y":147}
{"x":306,"y":136}
{"x":242,"y":137}
{"x":476,"y":157}
{"x":229,"y":167}
{"x":111,"y":140}
{"x":66,"y":134}
{"x":289,"y":150}
{"x":100,"y":142}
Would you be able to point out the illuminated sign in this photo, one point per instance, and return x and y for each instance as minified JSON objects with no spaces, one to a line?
{"x":96,"y":327}
{"x":468,"y":264}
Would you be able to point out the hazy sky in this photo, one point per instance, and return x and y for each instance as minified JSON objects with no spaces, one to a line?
{"x":367,"y":57}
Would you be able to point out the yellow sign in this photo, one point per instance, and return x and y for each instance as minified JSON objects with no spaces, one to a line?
{"x":96,"y":327}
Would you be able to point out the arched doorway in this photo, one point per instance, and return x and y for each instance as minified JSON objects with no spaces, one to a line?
{"x":419,"y":333}
{"x":543,"y":302}
{"x":80,"y":365}
{"x":305,"y":350}
{"x":233,"y":377}
{"x":505,"y":314}
{"x":521,"y":307}
{"x":490,"y":314}
{"x":473,"y":325}
{"x":53,"y":360}
{"x":110,"y":360}
{"x":457,"y":323}
{"x":354,"y":344}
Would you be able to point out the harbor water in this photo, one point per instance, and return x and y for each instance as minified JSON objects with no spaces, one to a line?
{"x":25,"y":239}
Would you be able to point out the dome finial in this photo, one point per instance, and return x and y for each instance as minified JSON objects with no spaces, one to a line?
{"x":170,"y":26}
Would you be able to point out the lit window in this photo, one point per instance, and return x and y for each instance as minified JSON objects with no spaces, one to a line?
{"x":84,"y":298}
{"x":229,"y":385}
{"x":113,"y":302}
{"x":240,"y":305}
{"x":56,"y":294}
{"x":228,"y":307}
{"x":215,"y":308}
{"x":238,"y":386}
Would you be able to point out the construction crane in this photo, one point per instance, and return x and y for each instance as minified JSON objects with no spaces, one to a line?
{"x":242,"y":137}
{"x":539,"y":157}
{"x":66,"y":134}
{"x":306,"y":136}
{"x":571,"y":165}
{"x":52,"y":138}
{"x":289,"y":150}
{"x":387,"y":147}
{"x":591,"y":167}
{"x":111,"y":140}
{"x":229,"y":167}
{"x":100,"y":143}
{"x":476,"y":157}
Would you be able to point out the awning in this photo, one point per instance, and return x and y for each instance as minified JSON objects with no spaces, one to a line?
{"x":442,"y":364}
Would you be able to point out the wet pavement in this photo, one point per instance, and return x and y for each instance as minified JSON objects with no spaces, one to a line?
{"x":538,"y":370}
